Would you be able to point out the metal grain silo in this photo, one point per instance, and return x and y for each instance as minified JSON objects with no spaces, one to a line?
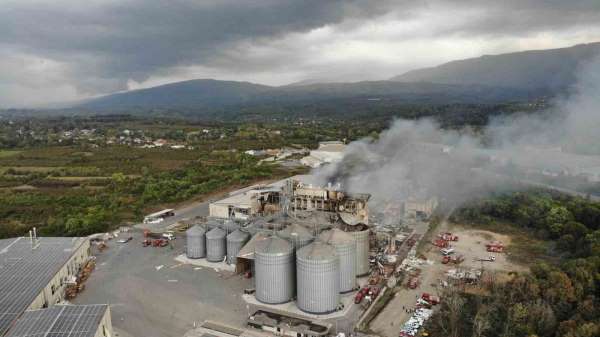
{"x":361,"y":235}
{"x":215,"y":245}
{"x":195,"y":242}
{"x":235,"y":242}
{"x":345,"y":247}
{"x":274,"y":270}
{"x":212,"y":223}
{"x":230,"y":226}
{"x":297,"y":235}
{"x":318,"y":278}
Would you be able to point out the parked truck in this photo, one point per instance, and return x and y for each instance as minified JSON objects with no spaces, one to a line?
{"x":448,"y":236}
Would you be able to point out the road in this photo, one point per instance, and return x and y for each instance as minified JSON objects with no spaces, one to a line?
{"x":195,"y":209}
{"x":390,"y":320}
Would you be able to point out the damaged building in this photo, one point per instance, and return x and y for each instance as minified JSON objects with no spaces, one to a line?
{"x":352,"y":207}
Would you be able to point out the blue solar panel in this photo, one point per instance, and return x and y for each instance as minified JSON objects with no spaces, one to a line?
{"x":60,"y":321}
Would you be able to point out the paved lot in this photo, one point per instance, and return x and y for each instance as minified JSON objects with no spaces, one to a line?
{"x":167,"y":302}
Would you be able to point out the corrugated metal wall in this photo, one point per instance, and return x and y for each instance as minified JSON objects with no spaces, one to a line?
{"x":215,"y":245}
{"x":195,"y":242}
{"x":318,"y":278}
{"x":274,"y":271}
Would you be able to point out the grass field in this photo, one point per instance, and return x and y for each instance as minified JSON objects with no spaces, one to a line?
{"x":8,"y":153}
{"x":71,"y":190}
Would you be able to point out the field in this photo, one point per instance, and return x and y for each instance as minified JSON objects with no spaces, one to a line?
{"x":76,"y":190}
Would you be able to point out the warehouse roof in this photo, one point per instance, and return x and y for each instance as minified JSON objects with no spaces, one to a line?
{"x":26,"y":269}
{"x":60,"y":321}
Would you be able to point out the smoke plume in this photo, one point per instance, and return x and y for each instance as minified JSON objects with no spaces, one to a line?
{"x":418,"y":159}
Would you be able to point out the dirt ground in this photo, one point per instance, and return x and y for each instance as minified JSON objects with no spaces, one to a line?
{"x":471,"y":245}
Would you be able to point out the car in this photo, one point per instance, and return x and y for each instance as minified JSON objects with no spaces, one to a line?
{"x":125,"y":240}
{"x":169,"y":236}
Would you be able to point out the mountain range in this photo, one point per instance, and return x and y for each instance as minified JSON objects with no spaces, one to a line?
{"x":486,"y":79}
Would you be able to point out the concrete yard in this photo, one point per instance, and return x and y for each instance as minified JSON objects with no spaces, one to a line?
{"x":152,"y":295}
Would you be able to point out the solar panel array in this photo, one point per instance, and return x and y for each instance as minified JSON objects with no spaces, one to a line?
{"x":60,"y":321}
{"x":26,"y":269}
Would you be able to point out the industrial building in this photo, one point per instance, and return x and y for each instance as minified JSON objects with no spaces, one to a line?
{"x":286,"y":325}
{"x":291,"y":195}
{"x":351,"y":207}
{"x":65,"y":321}
{"x":242,"y":206}
{"x":34,"y":273}
{"x":419,"y":208}
{"x":327,"y":153}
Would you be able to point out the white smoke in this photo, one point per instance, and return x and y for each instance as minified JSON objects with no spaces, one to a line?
{"x":419,"y":159}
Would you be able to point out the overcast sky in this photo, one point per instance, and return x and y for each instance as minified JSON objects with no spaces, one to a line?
{"x":62,"y":50}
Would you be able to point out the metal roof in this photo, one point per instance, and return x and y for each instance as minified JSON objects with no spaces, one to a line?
{"x":60,"y":321}
{"x":295,"y":231}
{"x":317,"y":251}
{"x":26,"y":269}
{"x":216,"y":233}
{"x":159,"y":213}
{"x":336,"y":237}
{"x":273,"y":246}
{"x":238,"y":236}
{"x":196,"y":230}
{"x":247,"y":252}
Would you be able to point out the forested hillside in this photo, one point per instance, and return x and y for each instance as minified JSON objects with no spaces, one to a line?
{"x":560,"y":297}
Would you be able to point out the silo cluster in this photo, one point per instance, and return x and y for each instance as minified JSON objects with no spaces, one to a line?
{"x":324,"y":268}
{"x":274,"y":270}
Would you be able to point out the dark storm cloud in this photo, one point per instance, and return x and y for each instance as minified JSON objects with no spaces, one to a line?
{"x":97,"y":46}
{"x":133,"y":39}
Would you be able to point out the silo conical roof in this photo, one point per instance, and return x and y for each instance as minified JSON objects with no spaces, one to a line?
{"x":273,"y":246}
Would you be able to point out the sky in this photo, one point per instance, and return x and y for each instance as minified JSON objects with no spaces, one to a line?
{"x":65,"y":50}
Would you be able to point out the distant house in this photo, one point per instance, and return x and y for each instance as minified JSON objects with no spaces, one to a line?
{"x":255,"y":152}
{"x":160,"y":142}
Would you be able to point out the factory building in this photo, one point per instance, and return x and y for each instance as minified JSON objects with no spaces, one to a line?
{"x":326,"y":153}
{"x":65,"y":321}
{"x":419,"y":208}
{"x":242,"y":206}
{"x":352,"y":208}
{"x":34,"y":273}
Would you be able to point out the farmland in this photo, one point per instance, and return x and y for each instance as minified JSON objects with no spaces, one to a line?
{"x":86,"y":177}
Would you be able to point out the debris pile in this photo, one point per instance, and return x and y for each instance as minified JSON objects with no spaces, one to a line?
{"x":78,"y":284}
